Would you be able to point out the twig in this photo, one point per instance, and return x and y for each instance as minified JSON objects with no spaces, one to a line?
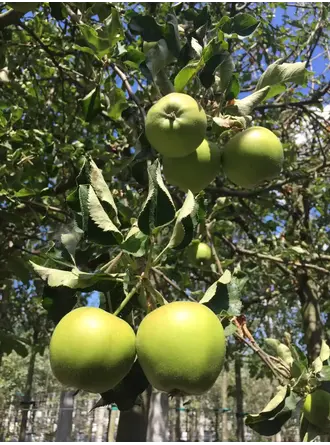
{"x":263,"y":256}
{"x":289,"y":104}
{"x":107,"y":268}
{"x":127,"y":298}
{"x":128,"y":87}
{"x":171,"y":283}
{"x":214,"y":252}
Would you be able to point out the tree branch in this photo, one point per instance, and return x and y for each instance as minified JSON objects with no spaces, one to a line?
{"x":274,"y":259}
{"x":171,"y":283}
{"x":128,"y":87}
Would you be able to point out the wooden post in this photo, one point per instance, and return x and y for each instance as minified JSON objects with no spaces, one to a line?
{"x":158,"y":417}
{"x":64,"y":422}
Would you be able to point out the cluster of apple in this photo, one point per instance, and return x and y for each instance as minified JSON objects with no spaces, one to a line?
{"x":176,"y":127}
{"x":180,"y":347}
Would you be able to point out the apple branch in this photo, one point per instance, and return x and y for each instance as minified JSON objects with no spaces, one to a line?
{"x":128,"y":87}
{"x":274,"y":259}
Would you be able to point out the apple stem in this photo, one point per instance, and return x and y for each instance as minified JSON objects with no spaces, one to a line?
{"x":127,"y":298}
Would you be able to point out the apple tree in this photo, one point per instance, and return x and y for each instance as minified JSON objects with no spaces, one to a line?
{"x":151,"y":154}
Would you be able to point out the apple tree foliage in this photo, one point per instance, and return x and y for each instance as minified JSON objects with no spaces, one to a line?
{"x":84,"y":206}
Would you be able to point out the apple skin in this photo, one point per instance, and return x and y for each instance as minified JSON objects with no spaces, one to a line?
{"x":181,"y":348}
{"x":176,"y":125}
{"x":92,"y":350}
{"x":199,"y":252}
{"x":252,"y":156}
{"x":195,"y":171}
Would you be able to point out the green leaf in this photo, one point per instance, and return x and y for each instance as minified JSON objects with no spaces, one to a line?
{"x":83,"y":192}
{"x":102,"y":191}
{"x":97,"y":214}
{"x":280,"y":73}
{"x":276,"y":413}
{"x":147,"y":27}
{"x":74,"y":279}
{"x":158,"y":209}
{"x":23,"y":193}
{"x":186,"y":222}
{"x":206,"y":75}
{"x":244,"y":107}
{"x":135,"y":242}
{"x":317,"y":364}
{"x":16,"y":114}
{"x":99,"y":45}
{"x":325,"y":351}
{"x":280,"y":350}
{"x":217,"y":295}
{"x":91,"y":104}
{"x":225,"y":73}
{"x":324,"y":374}
{"x":118,"y":103}
{"x":233,"y":90}
{"x":242,"y":24}
{"x":186,"y":74}
{"x":113,"y":27}
{"x":230,"y":330}
{"x":71,"y":240}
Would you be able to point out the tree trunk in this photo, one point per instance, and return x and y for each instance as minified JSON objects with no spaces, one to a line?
{"x":201,"y":426}
{"x":178,"y":419}
{"x":27,"y":393}
{"x":224,"y":402}
{"x":64,"y":421}
{"x":113,"y":415}
{"x":310,"y":309}
{"x":158,"y":417}
{"x":134,"y":422}
{"x":239,"y":401}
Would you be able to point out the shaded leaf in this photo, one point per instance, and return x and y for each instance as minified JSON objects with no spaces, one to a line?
{"x":186,"y":222}
{"x":242,"y":24}
{"x":158,"y":208}
{"x":102,"y":191}
{"x":102,"y":221}
{"x":10,"y":342}
{"x":92,"y":104}
{"x":147,"y":27}
{"x":276,"y":413}
{"x":135,"y":242}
